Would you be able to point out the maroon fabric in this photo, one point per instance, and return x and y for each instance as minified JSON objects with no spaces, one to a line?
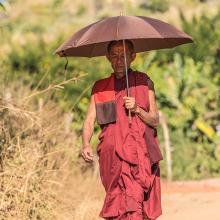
{"x":131,"y":182}
{"x":105,"y":112}
{"x":104,"y":97}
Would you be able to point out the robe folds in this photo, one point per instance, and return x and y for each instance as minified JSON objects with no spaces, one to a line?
{"x":128,"y":155}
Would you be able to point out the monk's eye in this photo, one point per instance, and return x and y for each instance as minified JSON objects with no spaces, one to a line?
{"x":113,"y":56}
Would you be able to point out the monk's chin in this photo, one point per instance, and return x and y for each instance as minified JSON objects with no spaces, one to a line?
{"x":120,"y":70}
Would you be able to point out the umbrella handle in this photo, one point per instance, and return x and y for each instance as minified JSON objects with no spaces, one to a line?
{"x":129,"y":117}
{"x":127,"y":84}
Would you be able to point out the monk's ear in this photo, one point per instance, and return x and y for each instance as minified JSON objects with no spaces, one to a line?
{"x":133,"y":56}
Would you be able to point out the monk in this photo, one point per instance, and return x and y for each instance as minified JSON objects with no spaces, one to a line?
{"x":128,"y":152}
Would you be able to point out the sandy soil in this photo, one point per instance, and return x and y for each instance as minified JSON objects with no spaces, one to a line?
{"x":81,"y":198}
{"x":191,"y":200}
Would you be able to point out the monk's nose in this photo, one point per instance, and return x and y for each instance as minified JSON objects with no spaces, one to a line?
{"x":120,"y":61}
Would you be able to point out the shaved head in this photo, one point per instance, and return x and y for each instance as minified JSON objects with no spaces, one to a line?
{"x":119,"y":42}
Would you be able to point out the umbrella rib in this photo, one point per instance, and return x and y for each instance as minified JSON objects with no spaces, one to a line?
{"x":87,"y":31}
{"x":164,"y":39}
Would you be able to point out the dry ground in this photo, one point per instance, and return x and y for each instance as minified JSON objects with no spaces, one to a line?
{"x":81,"y":198}
{"x":192,"y":200}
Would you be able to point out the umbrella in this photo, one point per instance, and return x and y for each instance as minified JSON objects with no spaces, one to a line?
{"x":145,"y":33}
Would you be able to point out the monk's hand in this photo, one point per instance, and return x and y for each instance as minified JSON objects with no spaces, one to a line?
{"x":130,"y":103}
{"x":87,"y":153}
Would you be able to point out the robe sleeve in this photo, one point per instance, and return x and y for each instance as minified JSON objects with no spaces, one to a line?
{"x":148,"y":81}
{"x":151,"y":84}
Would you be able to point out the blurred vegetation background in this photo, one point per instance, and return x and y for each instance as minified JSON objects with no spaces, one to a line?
{"x":186,"y":78}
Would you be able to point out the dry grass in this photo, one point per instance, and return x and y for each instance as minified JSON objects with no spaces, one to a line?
{"x":35,"y":153}
{"x":80,"y":198}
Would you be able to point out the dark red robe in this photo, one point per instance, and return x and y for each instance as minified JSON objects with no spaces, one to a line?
{"x":129,"y":174}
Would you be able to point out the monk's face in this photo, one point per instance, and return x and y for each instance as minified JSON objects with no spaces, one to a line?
{"x":117,"y":59}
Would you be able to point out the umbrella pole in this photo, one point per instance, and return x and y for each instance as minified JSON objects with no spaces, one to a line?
{"x":127,"y":83}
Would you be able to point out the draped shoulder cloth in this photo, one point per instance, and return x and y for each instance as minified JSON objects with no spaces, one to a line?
{"x":104,"y":96}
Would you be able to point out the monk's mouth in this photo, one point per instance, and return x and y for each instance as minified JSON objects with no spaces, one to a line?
{"x":121,"y":67}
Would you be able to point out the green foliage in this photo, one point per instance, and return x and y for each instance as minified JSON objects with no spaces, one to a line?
{"x":186,"y":78}
{"x":81,"y":10}
{"x":187,"y":86}
{"x":155,"y":5}
{"x":3,"y":5}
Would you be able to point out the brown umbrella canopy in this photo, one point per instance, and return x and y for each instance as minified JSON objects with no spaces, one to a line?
{"x":145,"y":33}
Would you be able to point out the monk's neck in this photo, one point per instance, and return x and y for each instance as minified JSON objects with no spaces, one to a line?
{"x":121,"y":74}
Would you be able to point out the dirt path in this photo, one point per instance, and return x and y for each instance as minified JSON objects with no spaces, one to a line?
{"x":81,"y":198}
{"x":192,"y":200}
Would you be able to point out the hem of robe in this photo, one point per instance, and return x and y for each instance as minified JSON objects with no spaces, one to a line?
{"x":151,"y":207}
{"x":110,"y":209}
